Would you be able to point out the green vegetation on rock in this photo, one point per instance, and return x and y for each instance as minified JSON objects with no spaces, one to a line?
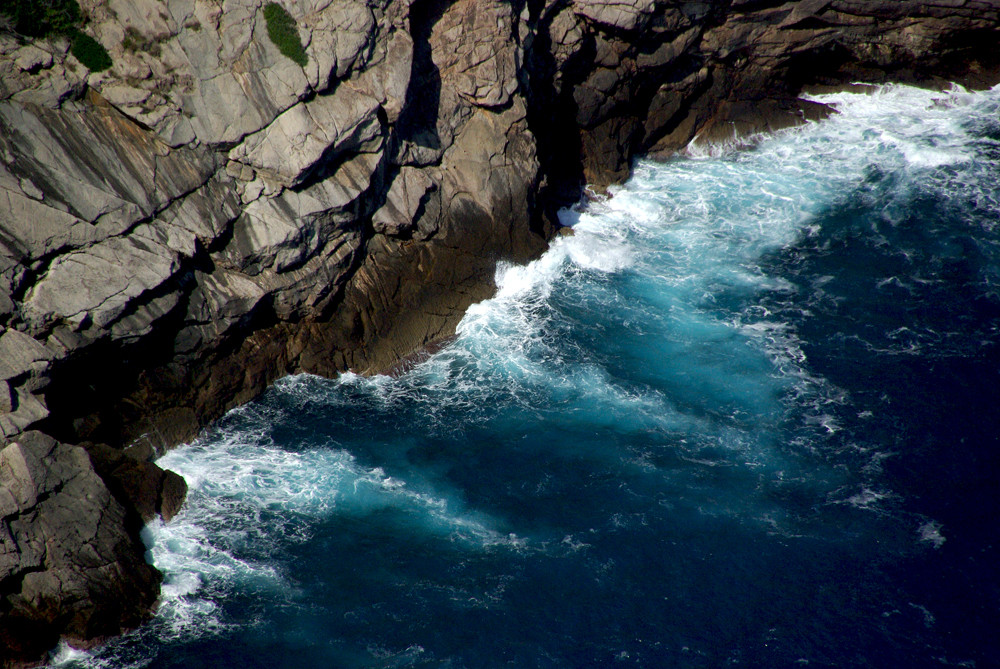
{"x":284,"y":33}
{"x":89,"y":51}
{"x":42,"y":18}
{"x":136,"y":41}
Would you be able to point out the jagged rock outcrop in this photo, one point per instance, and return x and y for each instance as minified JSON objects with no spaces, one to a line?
{"x":207,"y":215}
{"x":70,"y":564}
{"x":649,"y":76}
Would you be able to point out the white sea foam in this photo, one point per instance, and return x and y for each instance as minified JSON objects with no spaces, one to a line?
{"x":247,"y":497}
{"x":925,"y":128}
{"x":931,"y":533}
{"x":64,"y":654}
{"x":867,"y":498}
{"x":692,"y":239}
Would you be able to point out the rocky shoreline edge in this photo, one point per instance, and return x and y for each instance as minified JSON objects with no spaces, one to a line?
{"x":208,"y":214}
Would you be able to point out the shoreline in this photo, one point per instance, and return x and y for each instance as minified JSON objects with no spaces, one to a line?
{"x":170,"y":249}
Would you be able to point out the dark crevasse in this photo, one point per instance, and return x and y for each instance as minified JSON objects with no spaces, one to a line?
{"x":746,"y":415}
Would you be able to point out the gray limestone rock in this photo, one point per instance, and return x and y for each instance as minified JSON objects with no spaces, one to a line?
{"x":95,"y":285}
{"x":75,"y":178}
{"x":388,"y":76}
{"x":26,"y":411}
{"x":620,"y":14}
{"x":339,"y":35}
{"x":481,"y":63}
{"x":30,"y":58}
{"x":223,"y":296}
{"x":18,"y":352}
{"x":403,"y":202}
{"x":284,"y":231}
{"x":7,"y":397}
{"x":318,"y":131}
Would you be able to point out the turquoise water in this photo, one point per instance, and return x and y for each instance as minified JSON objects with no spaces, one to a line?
{"x":746,"y":415}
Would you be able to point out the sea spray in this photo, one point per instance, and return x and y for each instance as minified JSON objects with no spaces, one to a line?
{"x":743,"y":415}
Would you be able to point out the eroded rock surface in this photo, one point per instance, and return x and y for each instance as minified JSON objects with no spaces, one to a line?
{"x":649,"y":76}
{"x":69,"y":563}
{"x":206,"y":216}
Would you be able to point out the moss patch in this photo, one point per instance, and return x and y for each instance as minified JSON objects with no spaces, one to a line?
{"x":284,"y":33}
{"x":40,"y":18}
{"x":43,"y":18}
{"x":89,"y":51}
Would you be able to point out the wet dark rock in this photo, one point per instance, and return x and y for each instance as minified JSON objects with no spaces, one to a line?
{"x":139,"y":484}
{"x":173,"y":490}
{"x":649,"y":77}
{"x":69,"y":566}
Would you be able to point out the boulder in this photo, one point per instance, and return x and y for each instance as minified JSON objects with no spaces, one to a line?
{"x":139,"y":484}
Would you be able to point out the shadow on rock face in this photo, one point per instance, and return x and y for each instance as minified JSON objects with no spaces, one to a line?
{"x":71,"y":562}
{"x":418,"y":121}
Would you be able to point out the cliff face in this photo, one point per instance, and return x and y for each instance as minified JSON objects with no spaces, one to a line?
{"x":208,"y":215}
{"x":647,"y":78}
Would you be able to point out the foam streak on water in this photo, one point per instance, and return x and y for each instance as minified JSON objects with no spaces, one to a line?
{"x":742,"y":416}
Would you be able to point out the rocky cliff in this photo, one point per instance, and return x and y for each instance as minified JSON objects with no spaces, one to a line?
{"x":207,"y":215}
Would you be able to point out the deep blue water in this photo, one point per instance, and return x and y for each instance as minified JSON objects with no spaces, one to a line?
{"x":747,"y":415}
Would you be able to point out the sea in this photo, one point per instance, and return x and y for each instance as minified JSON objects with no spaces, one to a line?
{"x":748,"y":414}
